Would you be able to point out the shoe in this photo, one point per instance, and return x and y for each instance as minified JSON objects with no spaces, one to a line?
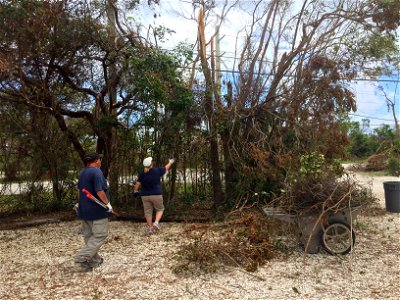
{"x":96,"y":264}
{"x":156,"y":226}
{"x":86,"y":267}
{"x":150,"y":231}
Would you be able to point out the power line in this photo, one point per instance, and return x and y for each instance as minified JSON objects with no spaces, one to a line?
{"x":376,"y":124}
{"x":369,"y":102}
{"x":270,"y":74}
{"x":377,"y":80}
{"x":370,"y":117}
{"x":270,"y":62}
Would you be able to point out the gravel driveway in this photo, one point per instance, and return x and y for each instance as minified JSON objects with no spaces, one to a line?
{"x":36,"y":263}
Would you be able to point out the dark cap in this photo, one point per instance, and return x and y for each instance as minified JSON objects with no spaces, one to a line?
{"x":91,"y":157}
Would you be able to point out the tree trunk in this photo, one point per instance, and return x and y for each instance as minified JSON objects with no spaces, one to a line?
{"x":230,"y":171}
{"x":209,"y":109}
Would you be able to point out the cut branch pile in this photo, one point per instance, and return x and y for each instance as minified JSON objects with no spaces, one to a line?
{"x":243,"y":242}
{"x":324,"y":194}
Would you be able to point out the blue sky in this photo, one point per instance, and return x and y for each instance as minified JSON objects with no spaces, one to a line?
{"x":178,"y":15}
{"x":371,"y":101}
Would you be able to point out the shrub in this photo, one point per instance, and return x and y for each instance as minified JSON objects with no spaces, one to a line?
{"x":394,"y":166}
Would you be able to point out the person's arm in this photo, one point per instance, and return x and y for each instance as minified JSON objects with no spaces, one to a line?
{"x":136,"y":187}
{"x":169,"y":164}
{"x":103,"y":197}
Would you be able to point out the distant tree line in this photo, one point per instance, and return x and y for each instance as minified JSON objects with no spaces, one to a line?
{"x":381,"y":146}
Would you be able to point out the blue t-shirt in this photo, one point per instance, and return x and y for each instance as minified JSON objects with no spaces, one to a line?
{"x":151,"y":181}
{"x":93,"y":180}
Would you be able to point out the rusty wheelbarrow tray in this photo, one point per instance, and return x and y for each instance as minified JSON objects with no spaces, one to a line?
{"x":333,"y":229}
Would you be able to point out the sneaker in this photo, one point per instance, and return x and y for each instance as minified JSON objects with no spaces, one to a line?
{"x":86,"y":267}
{"x":97,"y":263}
{"x":156,"y":226}
{"x":150,"y":231}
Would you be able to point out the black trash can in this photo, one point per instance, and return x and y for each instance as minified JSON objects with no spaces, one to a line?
{"x":392,"y":195}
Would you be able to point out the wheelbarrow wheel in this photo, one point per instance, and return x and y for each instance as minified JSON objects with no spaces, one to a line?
{"x":338,"y":238}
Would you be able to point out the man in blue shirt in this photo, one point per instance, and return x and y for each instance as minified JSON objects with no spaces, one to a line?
{"x":94,"y":217}
{"x":151,"y":192}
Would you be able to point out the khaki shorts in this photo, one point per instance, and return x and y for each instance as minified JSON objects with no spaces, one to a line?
{"x":150,"y":202}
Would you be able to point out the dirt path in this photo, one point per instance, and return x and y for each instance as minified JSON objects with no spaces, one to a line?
{"x":376,"y":184}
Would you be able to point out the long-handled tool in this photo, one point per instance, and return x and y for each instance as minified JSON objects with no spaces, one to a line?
{"x":94,"y":199}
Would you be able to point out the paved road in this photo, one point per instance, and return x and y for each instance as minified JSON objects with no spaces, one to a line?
{"x":19,"y":188}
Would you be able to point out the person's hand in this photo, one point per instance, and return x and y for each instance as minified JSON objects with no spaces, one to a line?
{"x":110,"y":209}
{"x":136,"y":194}
{"x":171,"y":160}
{"x":75,"y":207}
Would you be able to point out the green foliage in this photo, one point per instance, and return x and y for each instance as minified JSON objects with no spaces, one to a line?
{"x":380,"y":46}
{"x":10,"y":204}
{"x":158,"y":83}
{"x":161,"y":33}
{"x":312,"y":165}
{"x":189,"y":193}
{"x":184,"y":53}
{"x":105,"y":123}
{"x":158,"y":80}
{"x":394,"y":166}
{"x":385,"y":133}
{"x":396,"y":146}
{"x":36,"y":199}
{"x":393,"y":162}
{"x":361,"y":144}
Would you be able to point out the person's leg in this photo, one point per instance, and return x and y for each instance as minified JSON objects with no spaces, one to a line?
{"x":100,"y":233}
{"x":88,"y":253}
{"x":86,"y":229}
{"x":148,"y":211}
{"x":149,"y":221}
{"x":159,"y":215}
{"x":159,"y":207}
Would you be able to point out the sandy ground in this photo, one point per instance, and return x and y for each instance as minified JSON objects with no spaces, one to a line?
{"x":36,"y":263}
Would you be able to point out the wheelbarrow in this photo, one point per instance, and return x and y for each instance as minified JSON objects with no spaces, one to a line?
{"x":332,"y":230}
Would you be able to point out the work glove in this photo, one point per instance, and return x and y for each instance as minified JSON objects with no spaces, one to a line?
{"x":110,"y":209}
{"x":171,"y":160}
{"x":136,"y":194}
{"x":75,"y":207}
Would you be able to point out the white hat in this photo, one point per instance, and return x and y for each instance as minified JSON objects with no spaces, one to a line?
{"x":147,"y":161}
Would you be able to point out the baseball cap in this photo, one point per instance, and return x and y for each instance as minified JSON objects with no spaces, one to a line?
{"x":147,"y":161}
{"x":90,"y":157}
